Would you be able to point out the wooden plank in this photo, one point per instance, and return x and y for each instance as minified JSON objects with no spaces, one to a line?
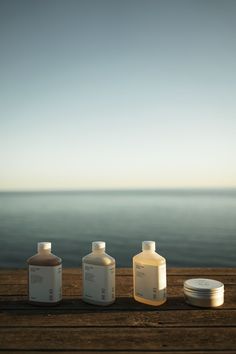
{"x":178,"y":318}
{"x":126,"y":302}
{"x":204,"y":271}
{"x":124,"y":287}
{"x":74,"y":280}
{"x":72,"y":284}
{"x":128,"y":271}
{"x":125,"y":326}
{"x":130,"y":339}
{"x":179,"y":279}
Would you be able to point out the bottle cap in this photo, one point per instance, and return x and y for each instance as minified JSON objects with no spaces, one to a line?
{"x":148,"y":245}
{"x":98,"y":245}
{"x":44,"y":246}
{"x":204,"y":292}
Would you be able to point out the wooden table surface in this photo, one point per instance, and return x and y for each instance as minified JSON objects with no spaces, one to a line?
{"x":126,"y":326}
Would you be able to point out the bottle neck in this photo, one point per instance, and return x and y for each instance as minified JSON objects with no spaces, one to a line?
{"x":101,"y":251}
{"x":44,"y":252}
{"x":149,"y":251}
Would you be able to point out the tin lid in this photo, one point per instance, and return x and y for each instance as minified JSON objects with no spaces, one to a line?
{"x":204,"y":287}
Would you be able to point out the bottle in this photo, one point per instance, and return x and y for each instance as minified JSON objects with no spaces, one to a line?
{"x":149,"y":275}
{"x":98,"y":276}
{"x":44,"y":277}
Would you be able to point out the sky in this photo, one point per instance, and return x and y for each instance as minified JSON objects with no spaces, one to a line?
{"x":98,"y":94}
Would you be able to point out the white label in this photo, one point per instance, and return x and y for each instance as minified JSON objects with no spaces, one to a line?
{"x":98,"y":282}
{"x":150,"y":281}
{"x":45,"y":283}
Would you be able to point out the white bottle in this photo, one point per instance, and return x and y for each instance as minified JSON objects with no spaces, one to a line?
{"x":98,"y":276}
{"x":149,"y":275}
{"x":45,"y":276}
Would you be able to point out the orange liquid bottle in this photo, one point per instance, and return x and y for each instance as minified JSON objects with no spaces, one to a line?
{"x":149,"y":276}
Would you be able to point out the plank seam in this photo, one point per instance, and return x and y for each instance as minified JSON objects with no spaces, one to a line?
{"x":118,"y":327}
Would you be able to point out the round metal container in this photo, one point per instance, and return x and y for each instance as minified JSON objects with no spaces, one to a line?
{"x":204,"y":292}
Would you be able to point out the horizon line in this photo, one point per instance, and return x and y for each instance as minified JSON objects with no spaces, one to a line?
{"x":124,"y":189}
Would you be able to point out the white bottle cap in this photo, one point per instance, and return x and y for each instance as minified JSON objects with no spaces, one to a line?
{"x":44,"y":246}
{"x":98,"y":245}
{"x":148,"y":245}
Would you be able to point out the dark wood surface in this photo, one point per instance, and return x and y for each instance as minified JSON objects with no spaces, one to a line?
{"x":126,"y":326}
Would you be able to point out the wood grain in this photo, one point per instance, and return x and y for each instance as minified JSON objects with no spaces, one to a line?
{"x":113,"y":338}
{"x":80,"y":318}
{"x":126,"y":326}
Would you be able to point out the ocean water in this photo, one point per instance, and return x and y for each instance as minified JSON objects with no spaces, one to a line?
{"x":190,"y":227}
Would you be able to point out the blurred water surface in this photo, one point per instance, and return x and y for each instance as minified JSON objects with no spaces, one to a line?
{"x":190,"y":227}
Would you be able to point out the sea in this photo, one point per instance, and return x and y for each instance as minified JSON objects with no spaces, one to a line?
{"x":191,"y":227}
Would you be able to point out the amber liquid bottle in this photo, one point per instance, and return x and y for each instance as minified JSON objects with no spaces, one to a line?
{"x":44,"y":277}
{"x":149,"y":275}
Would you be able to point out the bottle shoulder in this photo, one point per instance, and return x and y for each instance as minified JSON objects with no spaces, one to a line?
{"x":152,"y":258}
{"x":44,"y":260}
{"x":98,"y":259}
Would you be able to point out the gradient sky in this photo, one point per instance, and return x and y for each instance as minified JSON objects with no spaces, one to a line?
{"x":117,"y":94}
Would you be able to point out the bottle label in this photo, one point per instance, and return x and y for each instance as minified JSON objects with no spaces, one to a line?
{"x":150,"y":281}
{"x":98,"y":282}
{"x":45,"y":283}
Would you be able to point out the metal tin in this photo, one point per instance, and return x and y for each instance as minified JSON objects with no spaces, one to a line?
{"x":204,"y":292}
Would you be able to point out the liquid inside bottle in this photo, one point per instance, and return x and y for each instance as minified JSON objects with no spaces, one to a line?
{"x":98,"y":276}
{"x":44,"y":277}
{"x":149,"y":276}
